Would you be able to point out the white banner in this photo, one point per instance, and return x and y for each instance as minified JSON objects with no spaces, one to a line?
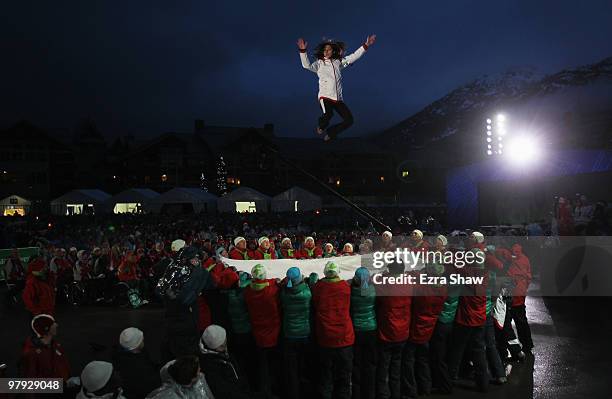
{"x":277,"y":268}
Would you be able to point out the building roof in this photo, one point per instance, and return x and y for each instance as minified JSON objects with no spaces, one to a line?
{"x":134,"y":195}
{"x":185,"y":195}
{"x":82,"y":196}
{"x":245,"y":194}
{"x":296,"y":193}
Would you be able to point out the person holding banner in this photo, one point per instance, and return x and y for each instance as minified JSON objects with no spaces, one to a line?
{"x":310,"y":250}
{"x":263,"y":302}
{"x":331,"y":297}
{"x":240,"y":252}
{"x":287,"y":251}
{"x":264,"y":251}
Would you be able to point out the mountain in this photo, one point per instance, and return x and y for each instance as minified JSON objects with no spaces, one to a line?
{"x":575,"y":100}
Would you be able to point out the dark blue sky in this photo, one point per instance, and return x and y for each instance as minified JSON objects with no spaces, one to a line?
{"x":149,"y":66}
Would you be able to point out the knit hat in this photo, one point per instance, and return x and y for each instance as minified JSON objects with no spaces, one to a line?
{"x":388,"y":234}
{"x":330,"y":244}
{"x":259,"y":272}
{"x":219,"y":251}
{"x":331,"y":270}
{"x":130,"y":338}
{"x":348,"y":244}
{"x":286,"y":239}
{"x":262,"y":240}
{"x":442,"y":239}
{"x":41,"y":324}
{"x":294,"y":276}
{"x":478,"y":237}
{"x":177,"y":245}
{"x":309,"y":239}
{"x":96,"y":375}
{"x":418,"y":233}
{"x":214,"y":336}
{"x":237,"y":240}
{"x":362,"y":274}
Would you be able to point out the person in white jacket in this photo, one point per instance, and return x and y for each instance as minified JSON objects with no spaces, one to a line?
{"x":330,"y":60}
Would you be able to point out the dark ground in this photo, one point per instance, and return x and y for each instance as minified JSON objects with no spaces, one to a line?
{"x":572,"y":350}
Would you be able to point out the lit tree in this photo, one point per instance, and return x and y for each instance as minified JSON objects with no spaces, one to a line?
{"x":203,"y":182}
{"x":221,"y":176}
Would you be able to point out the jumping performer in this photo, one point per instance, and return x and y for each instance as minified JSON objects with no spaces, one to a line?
{"x":330,"y":61}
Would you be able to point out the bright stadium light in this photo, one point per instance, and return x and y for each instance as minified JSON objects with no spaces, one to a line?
{"x":501,"y":118}
{"x":523,"y":149}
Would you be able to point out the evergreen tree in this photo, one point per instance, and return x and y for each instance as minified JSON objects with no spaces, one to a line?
{"x":221,"y":176}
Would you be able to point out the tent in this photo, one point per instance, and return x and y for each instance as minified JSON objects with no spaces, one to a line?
{"x":132,"y":200}
{"x":14,"y":204}
{"x":184,"y":200}
{"x":296,"y":199}
{"x":82,"y":201}
{"x":244,"y":199}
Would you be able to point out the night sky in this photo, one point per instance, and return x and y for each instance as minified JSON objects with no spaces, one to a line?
{"x":146,"y":67}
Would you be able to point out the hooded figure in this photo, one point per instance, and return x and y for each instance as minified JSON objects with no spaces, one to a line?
{"x":99,"y":381}
{"x":182,"y":379}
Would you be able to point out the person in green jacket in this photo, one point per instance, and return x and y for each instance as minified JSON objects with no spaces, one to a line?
{"x":296,"y":304}
{"x":241,"y":341}
{"x":363,"y":314}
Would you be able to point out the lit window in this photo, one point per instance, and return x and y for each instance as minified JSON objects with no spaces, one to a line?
{"x":164,"y":178}
{"x":382,"y":179}
{"x":405,"y":173}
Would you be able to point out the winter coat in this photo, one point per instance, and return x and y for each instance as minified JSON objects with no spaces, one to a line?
{"x":393,"y":312}
{"x":288,"y":253}
{"x":314,"y":253}
{"x":43,"y":361}
{"x":427,"y":304}
{"x":520,"y":273}
{"x":329,"y":72}
{"x":238,"y":312}
{"x":39,"y":295}
{"x":263,"y":302}
{"x":127,"y":271}
{"x":260,"y":254}
{"x":236,"y":254}
{"x":110,"y":395}
{"x":472,"y":308}
{"x":363,"y":308}
{"x":332,"y":301}
{"x":139,"y":374}
{"x":223,"y":375}
{"x":296,"y":303}
{"x":170,"y":389}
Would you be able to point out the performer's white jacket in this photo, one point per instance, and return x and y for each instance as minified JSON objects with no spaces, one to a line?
{"x":329,"y":73}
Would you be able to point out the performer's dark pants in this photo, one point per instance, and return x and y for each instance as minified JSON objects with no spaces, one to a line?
{"x":295,"y":351}
{"x":496,"y":367}
{"x":469,"y":341}
{"x":522,"y":326}
{"x":388,"y":373}
{"x":336,"y":367}
{"x":439,"y":344}
{"x":364,"y":365}
{"x":416,"y":375}
{"x":328,"y":108}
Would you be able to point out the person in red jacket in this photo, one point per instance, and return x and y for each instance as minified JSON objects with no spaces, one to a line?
{"x":393,"y":314}
{"x":39,"y":293}
{"x":264,"y":251}
{"x":417,"y":242}
{"x":287,"y":251}
{"x":469,"y":329}
{"x":263,"y":303}
{"x":427,"y":305}
{"x":331,"y":298}
{"x":310,"y":250}
{"x":520,"y":272}
{"x":42,"y":355}
{"x":127,"y":271}
{"x":240,"y":252}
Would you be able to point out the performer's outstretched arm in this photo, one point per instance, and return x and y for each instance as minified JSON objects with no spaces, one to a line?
{"x":351,"y":58}
{"x":313,"y":67}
